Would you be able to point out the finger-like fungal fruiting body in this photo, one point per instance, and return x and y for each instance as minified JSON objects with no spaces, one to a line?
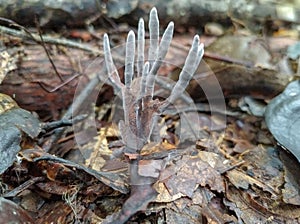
{"x":140,"y":109}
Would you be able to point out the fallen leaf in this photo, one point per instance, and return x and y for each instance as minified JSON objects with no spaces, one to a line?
{"x":183,"y":177}
{"x":14,"y":121}
{"x":7,"y":64}
{"x":12,"y":213}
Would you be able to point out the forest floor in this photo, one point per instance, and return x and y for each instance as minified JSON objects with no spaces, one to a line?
{"x":216,"y":161}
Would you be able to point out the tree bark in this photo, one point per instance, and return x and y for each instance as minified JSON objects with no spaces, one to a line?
{"x":185,"y":12}
{"x":34,"y":69}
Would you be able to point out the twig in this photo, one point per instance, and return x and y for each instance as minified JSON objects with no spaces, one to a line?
{"x":217,"y":57}
{"x":58,"y":86}
{"x":63,"y":122}
{"x":22,"y":187}
{"x":50,"y":40}
{"x":46,"y":50}
{"x":104,"y":177}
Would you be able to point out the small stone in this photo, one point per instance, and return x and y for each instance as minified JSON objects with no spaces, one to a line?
{"x":213,"y":29}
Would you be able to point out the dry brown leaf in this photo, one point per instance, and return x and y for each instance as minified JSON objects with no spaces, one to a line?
{"x":150,"y":168}
{"x":7,"y":64}
{"x":184,"y":177}
{"x":100,"y":147}
{"x":154,"y":147}
{"x":12,"y":213}
{"x":243,"y":181}
{"x":164,"y":195}
{"x":249,"y":210}
{"x":264,"y":165}
{"x":15,"y":125}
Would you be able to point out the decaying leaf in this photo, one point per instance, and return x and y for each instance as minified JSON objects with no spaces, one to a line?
{"x":263,"y":169}
{"x":249,"y":210}
{"x":290,"y":190}
{"x":100,"y":147}
{"x":7,"y":64}
{"x":283,"y":119}
{"x":9,"y":146}
{"x":12,"y":213}
{"x":55,"y":167}
{"x":293,"y":51}
{"x":184,"y":177}
{"x":23,"y":120}
{"x":14,"y":121}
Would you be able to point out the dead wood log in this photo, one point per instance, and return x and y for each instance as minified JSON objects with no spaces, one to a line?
{"x":34,"y":75}
{"x":187,"y":12}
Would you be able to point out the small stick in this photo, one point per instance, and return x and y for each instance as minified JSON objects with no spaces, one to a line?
{"x":50,"y":40}
{"x":22,"y":187}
